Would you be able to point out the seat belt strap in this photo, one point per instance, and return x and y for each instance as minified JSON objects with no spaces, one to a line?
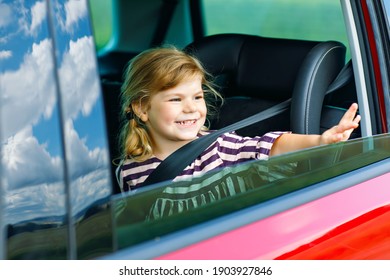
{"x":166,"y":14}
{"x":343,"y":78}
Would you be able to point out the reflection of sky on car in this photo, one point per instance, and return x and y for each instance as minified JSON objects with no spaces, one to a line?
{"x":32,"y":154}
{"x":387,"y":7}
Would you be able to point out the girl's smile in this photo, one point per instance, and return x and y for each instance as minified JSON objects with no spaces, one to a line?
{"x":187,"y":123}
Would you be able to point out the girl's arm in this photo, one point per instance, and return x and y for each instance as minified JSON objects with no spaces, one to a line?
{"x":341,"y":132}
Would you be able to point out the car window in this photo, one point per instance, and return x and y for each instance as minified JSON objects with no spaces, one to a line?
{"x":84,"y":131}
{"x":102,"y":28}
{"x":155,"y":211}
{"x":33,"y":167}
{"x":318,"y":20}
{"x":55,"y":163}
{"x":387,"y":7}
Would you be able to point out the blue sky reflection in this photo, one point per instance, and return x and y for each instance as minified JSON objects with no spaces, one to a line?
{"x":30,"y":134}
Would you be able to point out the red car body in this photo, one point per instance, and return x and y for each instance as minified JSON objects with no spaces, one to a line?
{"x":350,"y":224}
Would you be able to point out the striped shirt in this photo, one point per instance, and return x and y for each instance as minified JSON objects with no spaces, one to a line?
{"x":227,"y":150}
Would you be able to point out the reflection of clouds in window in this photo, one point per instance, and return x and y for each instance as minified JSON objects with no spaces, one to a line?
{"x":81,"y":159}
{"x":38,"y":15}
{"x":387,"y":7}
{"x":30,"y":19}
{"x":24,"y":159}
{"x":6,"y":18}
{"x":41,"y":200}
{"x":88,"y":189}
{"x":80,"y":91}
{"x":5,"y":54}
{"x":75,"y":10}
{"x":33,"y":83}
{"x":48,"y":199}
{"x":79,"y":81}
{"x":88,"y":170}
{"x":5,"y":15}
{"x":33,"y":178}
{"x":69,"y":15}
{"x":17,"y":18}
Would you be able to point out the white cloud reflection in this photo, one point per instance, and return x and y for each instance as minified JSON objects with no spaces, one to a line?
{"x":24,"y":160}
{"x":28,"y":93}
{"x":32,"y":177}
{"x":5,"y":14}
{"x":79,"y":81}
{"x":74,"y":11}
{"x":70,"y":14}
{"x":38,"y":15}
{"x":5,"y":54}
{"x":29,"y":20}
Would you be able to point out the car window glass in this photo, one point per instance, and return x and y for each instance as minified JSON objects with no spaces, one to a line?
{"x":153,"y":212}
{"x":387,"y":7}
{"x":86,"y":153}
{"x":33,"y":188}
{"x":102,"y":28}
{"x":318,"y":20}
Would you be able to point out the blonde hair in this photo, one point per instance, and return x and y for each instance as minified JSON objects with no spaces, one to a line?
{"x":148,"y":73}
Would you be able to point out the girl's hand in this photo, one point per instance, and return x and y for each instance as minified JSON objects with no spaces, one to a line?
{"x":343,"y":130}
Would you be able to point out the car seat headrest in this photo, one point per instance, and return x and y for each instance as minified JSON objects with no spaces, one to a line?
{"x":252,"y":66}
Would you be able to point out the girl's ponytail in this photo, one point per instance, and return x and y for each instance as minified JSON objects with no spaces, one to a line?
{"x":137,"y":142}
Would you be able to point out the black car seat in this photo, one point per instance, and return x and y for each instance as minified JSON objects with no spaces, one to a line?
{"x":253,"y":73}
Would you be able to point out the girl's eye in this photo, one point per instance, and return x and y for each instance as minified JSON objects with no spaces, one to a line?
{"x":198,"y":97}
{"x":174,"y":99}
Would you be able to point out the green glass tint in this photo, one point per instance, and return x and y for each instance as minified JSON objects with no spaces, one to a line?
{"x":318,"y":20}
{"x":103,"y":29}
{"x":154,"y":212}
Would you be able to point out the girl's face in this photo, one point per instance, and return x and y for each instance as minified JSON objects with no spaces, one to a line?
{"x":175,"y":116}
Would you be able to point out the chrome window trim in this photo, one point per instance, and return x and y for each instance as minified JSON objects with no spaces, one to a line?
{"x":361,"y":87}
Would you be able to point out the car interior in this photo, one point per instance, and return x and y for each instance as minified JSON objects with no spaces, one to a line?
{"x":253,"y":73}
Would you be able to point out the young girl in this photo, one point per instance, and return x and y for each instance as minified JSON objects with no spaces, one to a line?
{"x":164,"y":106}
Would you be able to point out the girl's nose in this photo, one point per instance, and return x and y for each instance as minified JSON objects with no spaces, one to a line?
{"x":189,"y":106}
